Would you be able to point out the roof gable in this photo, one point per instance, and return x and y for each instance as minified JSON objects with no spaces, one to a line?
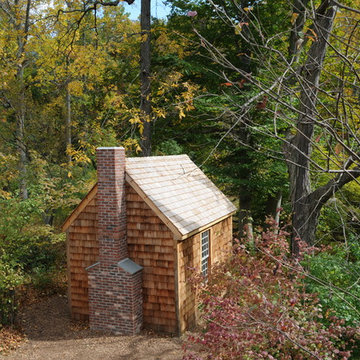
{"x":179,"y":190}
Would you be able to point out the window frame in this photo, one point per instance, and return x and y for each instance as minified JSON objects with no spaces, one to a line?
{"x":205,"y":252}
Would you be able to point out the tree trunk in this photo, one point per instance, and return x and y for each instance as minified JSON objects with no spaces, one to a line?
{"x":278,"y":208}
{"x":23,"y":30}
{"x":299,"y":8}
{"x":145,"y":102}
{"x":20,"y":135}
{"x":68,"y":121}
{"x":245,"y":219}
{"x":273,"y":207}
{"x":304,"y":221}
{"x":68,"y":139}
{"x":305,"y":206}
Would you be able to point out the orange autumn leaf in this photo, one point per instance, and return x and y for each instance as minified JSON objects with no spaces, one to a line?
{"x":314,"y":33}
{"x":338,"y":148}
{"x":311,"y":38}
{"x":294,"y":16}
{"x":241,"y":83}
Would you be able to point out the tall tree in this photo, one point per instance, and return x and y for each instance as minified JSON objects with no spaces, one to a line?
{"x":306,"y":202}
{"x":145,"y":66}
{"x":22,"y":24}
{"x":17,"y":15}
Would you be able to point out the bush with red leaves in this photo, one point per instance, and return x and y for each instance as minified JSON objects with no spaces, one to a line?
{"x":255,"y":307}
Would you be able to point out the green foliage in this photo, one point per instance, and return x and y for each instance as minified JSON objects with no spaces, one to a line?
{"x":169,"y":147}
{"x":338,"y":270}
{"x":339,"y":218}
{"x":49,"y":280}
{"x":10,"y":278}
{"x":24,"y":239}
{"x":31,"y":250}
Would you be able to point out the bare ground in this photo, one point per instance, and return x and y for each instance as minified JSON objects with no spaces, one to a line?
{"x":51,"y":335}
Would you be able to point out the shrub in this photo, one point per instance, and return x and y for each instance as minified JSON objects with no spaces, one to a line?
{"x":24,"y":239}
{"x":26,"y":245}
{"x":337,"y":270}
{"x":255,"y":307}
{"x":10,"y":279}
{"x":49,"y":280}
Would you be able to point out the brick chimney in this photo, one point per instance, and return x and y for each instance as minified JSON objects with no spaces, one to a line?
{"x":111,"y":204}
{"x":115,"y":286}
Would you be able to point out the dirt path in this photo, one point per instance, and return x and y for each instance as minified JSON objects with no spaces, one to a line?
{"x":51,"y":336}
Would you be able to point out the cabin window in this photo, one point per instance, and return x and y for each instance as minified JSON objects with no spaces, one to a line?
{"x":205,"y":252}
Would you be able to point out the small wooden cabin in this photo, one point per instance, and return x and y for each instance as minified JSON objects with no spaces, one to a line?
{"x":134,"y":240}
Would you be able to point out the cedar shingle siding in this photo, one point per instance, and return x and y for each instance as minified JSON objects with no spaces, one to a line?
{"x":189,"y":255}
{"x":82,"y":251}
{"x":151,"y":245}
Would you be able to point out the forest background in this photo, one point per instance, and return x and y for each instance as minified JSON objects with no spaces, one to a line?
{"x":262,"y":95}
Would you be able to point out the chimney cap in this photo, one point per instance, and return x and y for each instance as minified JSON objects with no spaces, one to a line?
{"x":129,"y":266}
{"x":110,"y":148}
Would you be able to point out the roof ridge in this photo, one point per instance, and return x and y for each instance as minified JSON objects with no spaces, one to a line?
{"x":157,"y":157}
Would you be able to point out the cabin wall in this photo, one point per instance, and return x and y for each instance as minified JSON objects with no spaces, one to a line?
{"x":151,"y":245}
{"x":82,"y":251}
{"x":189,"y":257}
{"x":221,"y":240}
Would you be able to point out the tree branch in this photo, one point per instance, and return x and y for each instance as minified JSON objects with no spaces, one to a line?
{"x":321,"y":195}
{"x":342,"y":6}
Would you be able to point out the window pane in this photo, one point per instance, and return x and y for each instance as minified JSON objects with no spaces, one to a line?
{"x":204,"y":252}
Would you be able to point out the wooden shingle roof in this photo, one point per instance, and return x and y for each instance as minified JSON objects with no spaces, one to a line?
{"x":181,"y":192}
{"x":176,"y":190}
